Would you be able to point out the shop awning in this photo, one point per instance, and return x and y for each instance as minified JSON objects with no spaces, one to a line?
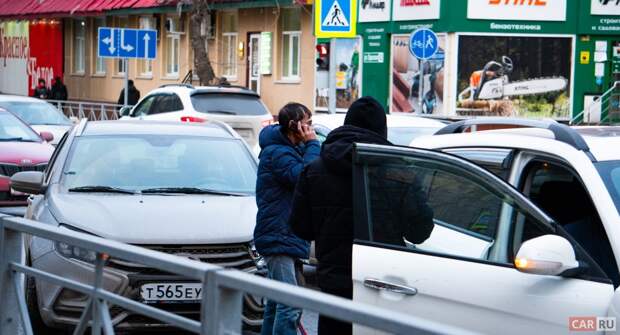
{"x":61,"y":8}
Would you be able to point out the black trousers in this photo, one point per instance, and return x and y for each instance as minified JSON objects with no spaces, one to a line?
{"x":329,"y":326}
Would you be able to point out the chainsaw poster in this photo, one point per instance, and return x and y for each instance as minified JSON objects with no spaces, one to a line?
{"x":406,"y":76}
{"x":514,"y":76}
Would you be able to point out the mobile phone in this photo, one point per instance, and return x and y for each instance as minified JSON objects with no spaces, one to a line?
{"x":293,"y":126}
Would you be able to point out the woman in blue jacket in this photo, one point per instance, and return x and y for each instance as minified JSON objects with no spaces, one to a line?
{"x":285,"y":149}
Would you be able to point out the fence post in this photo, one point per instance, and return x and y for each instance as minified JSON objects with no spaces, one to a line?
{"x":81,"y":111}
{"x":221,"y":307}
{"x":11,"y":250}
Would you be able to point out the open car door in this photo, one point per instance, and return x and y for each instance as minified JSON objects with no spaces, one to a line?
{"x":436,"y":236}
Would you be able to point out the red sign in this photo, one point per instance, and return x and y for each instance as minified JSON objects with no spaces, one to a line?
{"x":46,"y":53}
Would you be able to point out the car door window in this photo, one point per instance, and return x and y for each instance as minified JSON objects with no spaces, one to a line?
{"x":165,"y":104}
{"x":52,"y":161}
{"x":422,"y":201}
{"x":558,"y":191}
{"x":144,"y":106}
{"x":496,"y":160}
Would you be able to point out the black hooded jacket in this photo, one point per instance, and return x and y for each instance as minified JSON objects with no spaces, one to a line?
{"x":323,"y":206}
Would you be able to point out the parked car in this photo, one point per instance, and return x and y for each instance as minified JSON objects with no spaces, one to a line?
{"x":402,"y":129}
{"x":38,"y":114}
{"x":183,"y":189}
{"x":21,"y":149}
{"x":239,"y":107}
{"x":520,"y":262}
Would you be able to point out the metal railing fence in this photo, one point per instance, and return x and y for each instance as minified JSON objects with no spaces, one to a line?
{"x":221,"y":304}
{"x":601,"y":111}
{"x":92,"y":111}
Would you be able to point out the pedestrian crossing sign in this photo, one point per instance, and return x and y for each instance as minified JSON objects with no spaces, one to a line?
{"x":335,"y":18}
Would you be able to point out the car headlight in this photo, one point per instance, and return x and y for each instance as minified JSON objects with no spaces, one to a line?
{"x":70,"y":251}
{"x":260,"y":262}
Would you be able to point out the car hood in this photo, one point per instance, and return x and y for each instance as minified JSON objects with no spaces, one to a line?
{"x":57,"y":131}
{"x":159,"y":219}
{"x":24,"y":153}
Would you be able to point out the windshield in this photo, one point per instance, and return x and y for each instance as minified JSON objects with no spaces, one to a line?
{"x":146,"y":162}
{"x":404,"y":135}
{"x":36,"y":113}
{"x":12,"y":129}
{"x":228,"y":104}
{"x":610,"y":173}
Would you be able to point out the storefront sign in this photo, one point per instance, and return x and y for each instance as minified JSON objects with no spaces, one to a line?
{"x":265,"y":53}
{"x":605,"y":7}
{"x":374,"y":10}
{"x":29,"y":51}
{"x":373,"y":57}
{"x":405,"y":10}
{"x":528,"y":10}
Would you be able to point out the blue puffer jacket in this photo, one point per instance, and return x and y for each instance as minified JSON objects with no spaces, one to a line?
{"x":278,"y":170}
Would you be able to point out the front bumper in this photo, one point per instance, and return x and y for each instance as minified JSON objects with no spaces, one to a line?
{"x":62,"y":308}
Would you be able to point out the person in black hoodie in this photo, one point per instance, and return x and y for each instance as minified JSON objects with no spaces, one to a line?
{"x":59,"y":90}
{"x":323,"y":203}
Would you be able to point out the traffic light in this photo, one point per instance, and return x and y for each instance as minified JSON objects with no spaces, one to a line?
{"x":322,"y":60}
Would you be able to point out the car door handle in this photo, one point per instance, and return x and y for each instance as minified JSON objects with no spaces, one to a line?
{"x":385,"y":286}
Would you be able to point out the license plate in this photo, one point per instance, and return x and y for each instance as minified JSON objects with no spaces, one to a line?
{"x":244,"y":133}
{"x":170,"y":292}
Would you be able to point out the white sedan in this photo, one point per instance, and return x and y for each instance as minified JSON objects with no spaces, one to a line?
{"x":402,"y":129}
{"x":38,"y":114}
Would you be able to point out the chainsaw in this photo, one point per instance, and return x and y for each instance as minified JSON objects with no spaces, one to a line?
{"x":492,"y":83}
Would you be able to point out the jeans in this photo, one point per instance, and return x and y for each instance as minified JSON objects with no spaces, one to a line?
{"x":280,"y":319}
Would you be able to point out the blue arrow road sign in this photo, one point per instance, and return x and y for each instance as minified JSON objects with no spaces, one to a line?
{"x":423,"y":43}
{"x":147,"y":43}
{"x":127,"y":43}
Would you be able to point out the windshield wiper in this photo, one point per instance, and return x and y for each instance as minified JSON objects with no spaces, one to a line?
{"x":189,"y":190}
{"x":9,"y":139}
{"x":101,"y":189}
{"x":222,"y":112}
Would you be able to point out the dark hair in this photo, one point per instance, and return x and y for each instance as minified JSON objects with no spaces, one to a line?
{"x":292,"y":111}
{"x":129,"y":82}
{"x":41,"y":80}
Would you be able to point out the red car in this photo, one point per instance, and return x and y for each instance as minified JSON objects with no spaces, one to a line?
{"x":21,"y":149}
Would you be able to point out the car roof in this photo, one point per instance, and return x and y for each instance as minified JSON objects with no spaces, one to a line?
{"x":19,"y":98}
{"x":333,"y":121}
{"x":191,"y":90}
{"x":602,"y":141}
{"x":147,"y":127}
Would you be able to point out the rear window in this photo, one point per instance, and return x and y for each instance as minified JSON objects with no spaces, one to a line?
{"x":228,"y":104}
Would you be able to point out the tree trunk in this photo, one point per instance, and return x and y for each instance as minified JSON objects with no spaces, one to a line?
{"x":202,"y":64}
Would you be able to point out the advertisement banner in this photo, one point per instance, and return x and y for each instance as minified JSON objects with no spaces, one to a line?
{"x":605,"y":7}
{"x":406,"y":79}
{"x":29,"y":51}
{"x":374,"y":10}
{"x":45,"y":61}
{"x":530,"y":10}
{"x":14,"y":54}
{"x":405,"y":10}
{"x":348,"y":76}
{"x":514,"y":76}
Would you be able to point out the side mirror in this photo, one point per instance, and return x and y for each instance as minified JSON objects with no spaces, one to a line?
{"x":74,"y":119}
{"x":124,"y":111}
{"x":47,"y":136}
{"x":30,"y":182}
{"x":550,"y":255}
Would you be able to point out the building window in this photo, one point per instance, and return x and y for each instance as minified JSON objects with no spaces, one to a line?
{"x":229,"y":44}
{"x":119,"y":64}
{"x":79,"y":38}
{"x":290,"y":26}
{"x":100,"y":65}
{"x":172,"y":52}
{"x":146,"y":66}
